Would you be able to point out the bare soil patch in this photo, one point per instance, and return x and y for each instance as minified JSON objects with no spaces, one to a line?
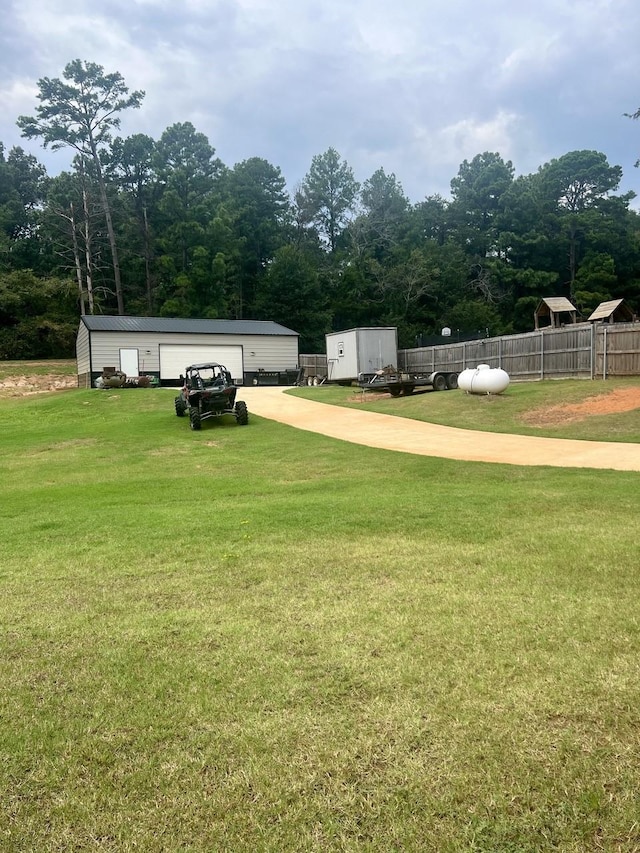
{"x":369,"y":396}
{"x":23,"y":385}
{"x":614,"y":402}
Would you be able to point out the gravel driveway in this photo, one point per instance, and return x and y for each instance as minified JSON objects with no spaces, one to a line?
{"x":407,"y":436}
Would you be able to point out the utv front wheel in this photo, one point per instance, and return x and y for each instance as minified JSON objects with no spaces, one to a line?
{"x":180,"y":407}
{"x":194,"y":420}
{"x":242,"y":414}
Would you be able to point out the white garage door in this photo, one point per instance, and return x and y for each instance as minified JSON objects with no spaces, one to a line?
{"x":174,"y":358}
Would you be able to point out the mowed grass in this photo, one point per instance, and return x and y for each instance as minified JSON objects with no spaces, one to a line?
{"x":255,"y":638}
{"x":523,"y":408}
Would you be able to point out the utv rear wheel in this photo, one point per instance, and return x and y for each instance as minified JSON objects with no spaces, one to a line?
{"x":241,"y":413}
{"x":180,"y":407}
{"x":194,"y":420}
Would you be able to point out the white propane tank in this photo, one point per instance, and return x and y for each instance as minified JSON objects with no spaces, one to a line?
{"x":483,"y":380}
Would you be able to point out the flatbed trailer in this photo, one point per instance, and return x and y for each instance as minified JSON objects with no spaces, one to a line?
{"x":397,"y":383}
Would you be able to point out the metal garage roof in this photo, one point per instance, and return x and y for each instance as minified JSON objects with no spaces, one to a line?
{"x":101,"y":323}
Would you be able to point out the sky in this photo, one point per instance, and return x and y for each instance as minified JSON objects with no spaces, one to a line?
{"x":413,"y":86}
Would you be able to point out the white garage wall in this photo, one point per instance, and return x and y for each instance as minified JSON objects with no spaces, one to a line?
{"x":260,"y":352}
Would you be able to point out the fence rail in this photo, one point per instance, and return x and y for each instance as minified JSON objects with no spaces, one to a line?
{"x":585,"y":350}
{"x":582,"y":351}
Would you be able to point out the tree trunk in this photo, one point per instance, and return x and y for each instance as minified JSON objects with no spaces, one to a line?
{"x":76,"y":259}
{"x":147,"y":259}
{"x":110,"y":231}
{"x":87,"y":249}
{"x":572,"y":260}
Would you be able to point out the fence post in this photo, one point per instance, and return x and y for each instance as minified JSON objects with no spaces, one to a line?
{"x":500,"y":352}
{"x":592,"y":354}
{"x":541,"y":355}
{"x":604,"y":354}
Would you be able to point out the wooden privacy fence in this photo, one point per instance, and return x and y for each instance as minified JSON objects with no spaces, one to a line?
{"x":582,"y":351}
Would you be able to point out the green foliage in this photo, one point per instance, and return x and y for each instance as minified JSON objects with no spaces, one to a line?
{"x":595,"y":281}
{"x":385,"y":215}
{"x":22,"y":188}
{"x":291,"y":293}
{"x":80,"y":112}
{"x":259,"y":210}
{"x":474,"y":316}
{"x":328,"y":196}
{"x":478,"y":193}
{"x":579,"y":180}
{"x":37,"y":316}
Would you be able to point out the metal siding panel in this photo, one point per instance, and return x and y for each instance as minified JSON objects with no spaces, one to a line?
{"x":266,"y":352}
{"x":343,"y":366}
{"x":377,"y":348}
{"x":83,"y":356}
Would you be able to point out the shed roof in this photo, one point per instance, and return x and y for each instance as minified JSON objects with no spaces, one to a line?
{"x":557,"y":303}
{"x":606,"y":309}
{"x":103,"y":323}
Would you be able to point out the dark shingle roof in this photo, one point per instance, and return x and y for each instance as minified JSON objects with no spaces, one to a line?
{"x":100,"y":323}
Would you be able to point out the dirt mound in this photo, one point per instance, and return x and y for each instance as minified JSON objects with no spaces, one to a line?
{"x":615,"y":402}
{"x":22,"y":385}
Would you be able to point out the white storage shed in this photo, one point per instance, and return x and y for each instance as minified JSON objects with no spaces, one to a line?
{"x":254,"y":351}
{"x":362,"y":350}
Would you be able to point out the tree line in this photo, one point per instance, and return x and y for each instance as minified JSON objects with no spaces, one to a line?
{"x":161,"y":227}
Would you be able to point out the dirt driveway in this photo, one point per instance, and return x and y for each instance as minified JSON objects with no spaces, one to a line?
{"x":406,"y":436}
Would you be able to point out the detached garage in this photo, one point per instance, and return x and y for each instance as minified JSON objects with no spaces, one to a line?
{"x":252,"y":350}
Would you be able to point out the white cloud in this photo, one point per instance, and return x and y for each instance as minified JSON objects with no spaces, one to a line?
{"x":17,"y":97}
{"x":468,"y":137}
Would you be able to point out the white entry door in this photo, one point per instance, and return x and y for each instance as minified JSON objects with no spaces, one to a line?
{"x":129,"y":362}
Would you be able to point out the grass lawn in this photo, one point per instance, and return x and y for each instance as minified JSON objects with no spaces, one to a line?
{"x":510,"y":412}
{"x":259,"y":639}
